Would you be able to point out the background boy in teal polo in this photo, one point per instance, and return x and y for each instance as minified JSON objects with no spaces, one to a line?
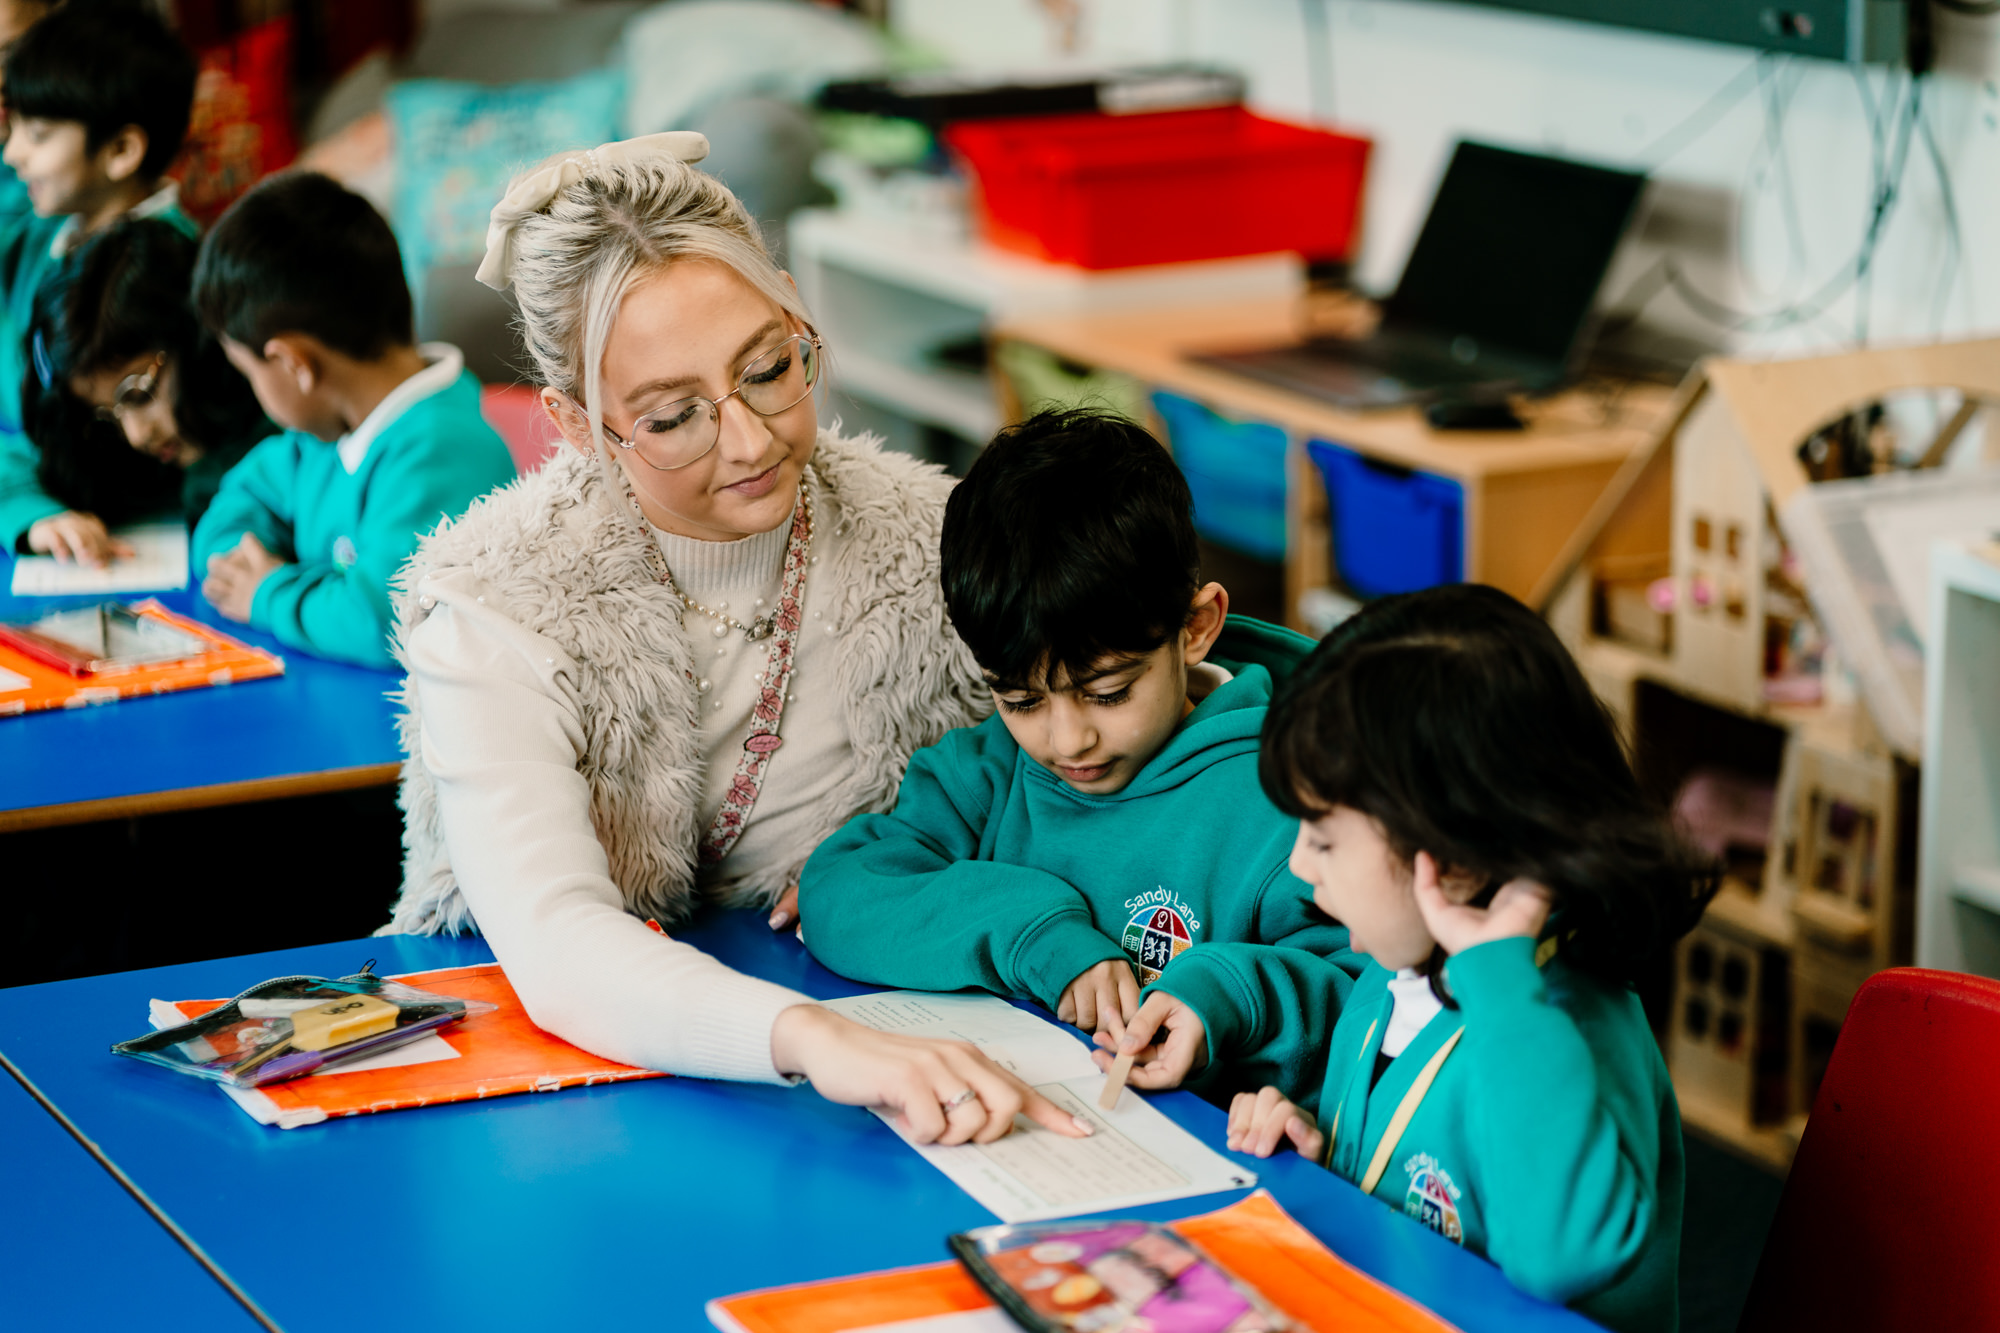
{"x":1108,"y":818}
{"x":98,"y":98}
{"x":302,"y":282}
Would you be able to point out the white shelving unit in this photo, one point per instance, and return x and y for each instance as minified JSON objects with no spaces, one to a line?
{"x":887,"y":298}
{"x":1958,"y":848}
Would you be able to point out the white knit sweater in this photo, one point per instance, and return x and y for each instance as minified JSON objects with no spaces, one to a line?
{"x":815,"y":756}
{"x":556,"y":779}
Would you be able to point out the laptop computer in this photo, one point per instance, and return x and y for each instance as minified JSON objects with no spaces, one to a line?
{"x":1496,"y":294}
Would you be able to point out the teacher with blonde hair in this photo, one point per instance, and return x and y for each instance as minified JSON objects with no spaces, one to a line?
{"x":660,"y":670}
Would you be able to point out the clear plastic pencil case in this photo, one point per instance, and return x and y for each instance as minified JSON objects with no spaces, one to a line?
{"x":290,"y":1026}
{"x":1110,"y":1277}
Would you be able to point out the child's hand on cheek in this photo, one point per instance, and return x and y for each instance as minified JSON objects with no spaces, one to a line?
{"x":1520,"y":907}
{"x":1166,"y":1040}
{"x":1260,"y":1121}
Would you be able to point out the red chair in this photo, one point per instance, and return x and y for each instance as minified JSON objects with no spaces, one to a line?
{"x":1891,"y":1217}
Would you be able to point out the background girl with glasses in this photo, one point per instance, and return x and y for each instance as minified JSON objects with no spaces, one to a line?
{"x":131,"y":403}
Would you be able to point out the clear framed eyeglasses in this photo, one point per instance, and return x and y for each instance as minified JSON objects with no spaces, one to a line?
{"x":134,"y":392}
{"x":683,"y":431}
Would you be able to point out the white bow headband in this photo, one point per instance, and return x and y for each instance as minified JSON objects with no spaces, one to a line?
{"x":532,"y":191}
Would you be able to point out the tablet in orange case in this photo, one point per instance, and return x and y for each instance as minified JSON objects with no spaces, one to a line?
{"x":499,"y":1053}
{"x":226,"y":663}
{"x":1254,"y":1239}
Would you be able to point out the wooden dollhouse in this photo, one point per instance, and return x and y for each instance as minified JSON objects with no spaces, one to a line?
{"x":1682,"y":581}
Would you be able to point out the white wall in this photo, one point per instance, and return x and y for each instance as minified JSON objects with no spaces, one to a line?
{"x":1415,"y":76}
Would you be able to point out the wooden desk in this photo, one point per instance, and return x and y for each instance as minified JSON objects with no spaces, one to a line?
{"x":1525,"y":492}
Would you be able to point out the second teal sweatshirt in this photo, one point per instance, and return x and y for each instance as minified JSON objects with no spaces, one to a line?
{"x":991,"y":872}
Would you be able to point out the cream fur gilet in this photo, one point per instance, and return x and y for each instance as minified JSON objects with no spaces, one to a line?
{"x":567,"y":558}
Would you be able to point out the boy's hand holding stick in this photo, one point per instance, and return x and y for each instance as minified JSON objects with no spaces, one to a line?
{"x":1156,"y":1061}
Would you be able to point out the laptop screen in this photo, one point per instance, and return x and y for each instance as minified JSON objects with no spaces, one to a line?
{"x":1513,"y":251}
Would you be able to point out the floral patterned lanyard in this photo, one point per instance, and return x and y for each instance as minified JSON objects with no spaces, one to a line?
{"x":782,"y":628}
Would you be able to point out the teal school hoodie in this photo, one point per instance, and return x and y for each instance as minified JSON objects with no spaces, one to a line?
{"x":1549,"y":1139}
{"x":27,"y":261}
{"x":348,"y":532}
{"x":992,"y":873}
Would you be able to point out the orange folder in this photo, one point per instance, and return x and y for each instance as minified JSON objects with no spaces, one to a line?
{"x":1254,"y":1239}
{"x":226,"y":663}
{"x":499,"y":1053}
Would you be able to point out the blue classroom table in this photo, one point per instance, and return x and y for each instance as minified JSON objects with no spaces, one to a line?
{"x":77,"y":1253}
{"x":320,"y":727}
{"x":620,"y":1206}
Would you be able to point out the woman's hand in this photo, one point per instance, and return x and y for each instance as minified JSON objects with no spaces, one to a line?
{"x":76,"y":536}
{"x":1520,"y":907}
{"x":1260,"y":1121}
{"x":785,"y":912}
{"x":917,"y":1077}
{"x":1158,"y":1062}
{"x":1102,"y":999}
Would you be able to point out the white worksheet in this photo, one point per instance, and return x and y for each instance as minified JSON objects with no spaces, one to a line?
{"x":1136,"y":1156}
{"x":158,"y":563}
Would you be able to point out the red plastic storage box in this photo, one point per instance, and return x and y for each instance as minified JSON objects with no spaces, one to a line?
{"x":1103,"y":191}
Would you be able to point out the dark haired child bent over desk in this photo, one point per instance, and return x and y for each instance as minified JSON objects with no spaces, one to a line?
{"x":131,"y":404}
{"x":1109,"y":817}
{"x":98,"y":97}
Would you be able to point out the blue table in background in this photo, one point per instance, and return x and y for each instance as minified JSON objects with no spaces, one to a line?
{"x":626,"y":1206}
{"x":320,"y":727}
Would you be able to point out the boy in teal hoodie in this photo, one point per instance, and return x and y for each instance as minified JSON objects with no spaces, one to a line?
{"x":1108,"y":817}
{"x":98,"y":99}
{"x":303,"y":284}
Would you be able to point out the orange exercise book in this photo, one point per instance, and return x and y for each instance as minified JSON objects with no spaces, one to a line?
{"x":495,"y":1054}
{"x":1255,"y":1239}
{"x":226,"y":663}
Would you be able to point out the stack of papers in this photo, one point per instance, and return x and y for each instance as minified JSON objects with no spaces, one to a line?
{"x":158,"y":563}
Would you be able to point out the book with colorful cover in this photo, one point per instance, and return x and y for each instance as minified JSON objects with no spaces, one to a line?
{"x":31,"y":685}
{"x":1254,"y":1239}
{"x":488,"y":1055}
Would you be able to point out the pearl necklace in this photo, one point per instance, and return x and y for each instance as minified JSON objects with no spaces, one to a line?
{"x":760,"y":628}
{"x":781,"y":628}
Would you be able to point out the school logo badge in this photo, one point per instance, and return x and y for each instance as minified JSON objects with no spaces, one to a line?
{"x":1432,"y":1198}
{"x":1154,"y":937}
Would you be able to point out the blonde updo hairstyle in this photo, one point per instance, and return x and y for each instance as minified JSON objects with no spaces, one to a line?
{"x":621,"y":222}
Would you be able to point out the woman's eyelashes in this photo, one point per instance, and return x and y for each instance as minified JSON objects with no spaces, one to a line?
{"x":770,"y":373}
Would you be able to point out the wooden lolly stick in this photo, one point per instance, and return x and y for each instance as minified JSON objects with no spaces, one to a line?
{"x":1114,"y":1082}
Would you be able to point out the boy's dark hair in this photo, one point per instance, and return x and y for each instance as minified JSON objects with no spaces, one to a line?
{"x":301,"y":253}
{"x":1458,"y":721}
{"x":108,"y":64}
{"x":1071,"y":540}
{"x":125,"y":296}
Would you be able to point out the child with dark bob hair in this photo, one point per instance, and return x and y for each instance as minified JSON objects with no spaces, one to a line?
{"x":129,"y":400}
{"x":1108,"y":817}
{"x":1464,"y":807}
